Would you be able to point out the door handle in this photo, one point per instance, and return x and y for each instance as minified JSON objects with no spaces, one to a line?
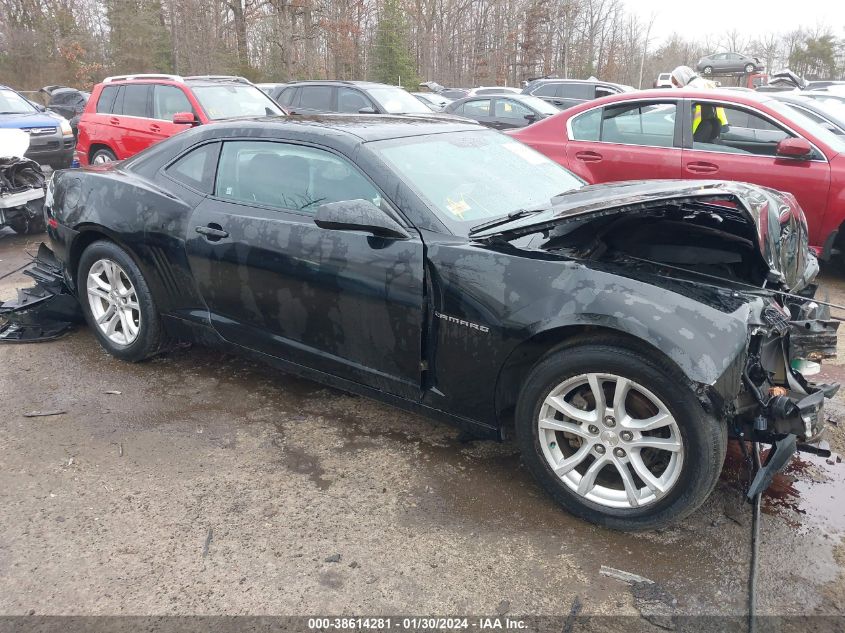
{"x":155,"y":128}
{"x":114,"y":121}
{"x":702,"y":168}
{"x":213,"y":232}
{"x":588,"y":157}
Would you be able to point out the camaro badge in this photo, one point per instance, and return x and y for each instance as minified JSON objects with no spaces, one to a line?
{"x":451,"y":319}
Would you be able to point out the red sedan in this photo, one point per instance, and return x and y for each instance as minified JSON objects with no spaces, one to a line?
{"x":713,"y":134}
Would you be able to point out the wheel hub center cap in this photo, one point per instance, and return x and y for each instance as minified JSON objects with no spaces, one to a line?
{"x":609,"y":438}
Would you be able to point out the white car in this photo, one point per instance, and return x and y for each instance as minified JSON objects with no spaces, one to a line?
{"x":664,"y":80}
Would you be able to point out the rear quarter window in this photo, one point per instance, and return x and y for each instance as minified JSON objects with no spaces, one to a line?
{"x":105,"y":104}
{"x":196,"y":168}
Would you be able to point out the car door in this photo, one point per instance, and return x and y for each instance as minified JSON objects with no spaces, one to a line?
{"x":510,"y":113}
{"x":550,"y":92}
{"x":167,"y":101}
{"x":316,"y":99}
{"x":479,"y":110}
{"x":133,"y":119}
{"x":745,"y":150}
{"x":352,"y":101}
{"x":632,"y":140}
{"x":341,"y":302}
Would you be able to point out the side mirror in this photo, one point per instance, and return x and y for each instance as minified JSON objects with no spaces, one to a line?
{"x":367,"y":110}
{"x":531,"y":117}
{"x":185,"y":118}
{"x":797,"y":148}
{"x":358,"y":215}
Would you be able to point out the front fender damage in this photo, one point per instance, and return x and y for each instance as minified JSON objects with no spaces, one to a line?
{"x":785,"y":344}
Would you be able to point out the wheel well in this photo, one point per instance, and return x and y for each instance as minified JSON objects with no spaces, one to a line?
{"x":528,"y":353}
{"x":85,"y":239}
{"x":96,"y":147}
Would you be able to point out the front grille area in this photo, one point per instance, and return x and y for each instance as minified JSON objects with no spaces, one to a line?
{"x":39,"y":131}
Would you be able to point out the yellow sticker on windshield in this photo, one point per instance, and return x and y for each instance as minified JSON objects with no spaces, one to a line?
{"x":457,"y":207}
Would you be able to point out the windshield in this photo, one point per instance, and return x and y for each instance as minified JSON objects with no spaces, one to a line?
{"x":397,"y":101}
{"x":12,"y":103}
{"x":826,"y":136}
{"x":543,"y":107}
{"x":469,"y":177}
{"x":227,"y":101}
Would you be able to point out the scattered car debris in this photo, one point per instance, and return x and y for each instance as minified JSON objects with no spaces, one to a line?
{"x":43,"y":312}
{"x":624,"y":576}
{"x":112,"y":392}
{"x":43,"y":414}
{"x":334,"y":558}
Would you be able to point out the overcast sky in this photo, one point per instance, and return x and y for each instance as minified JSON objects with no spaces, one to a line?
{"x":750,"y":17}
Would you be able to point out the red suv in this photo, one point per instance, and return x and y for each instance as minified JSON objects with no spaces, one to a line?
{"x":683,"y":134}
{"x":128,"y":113}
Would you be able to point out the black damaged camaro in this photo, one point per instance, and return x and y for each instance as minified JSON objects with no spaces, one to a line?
{"x":621,"y":331}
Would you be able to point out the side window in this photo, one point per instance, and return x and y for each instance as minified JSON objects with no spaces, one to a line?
{"x":735,"y":130}
{"x":196,"y":168}
{"x":168,"y":100}
{"x":578,"y":91}
{"x":135,"y":99}
{"x":287,"y":176}
{"x":316,"y":97}
{"x":639,"y":124}
{"x":105,"y":104}
{"x":479,"y":107}
{"x":286,"y":96}
{"x":510,"y":109}
{"x":351,"y":100}
{"x":546,"y":90}
{"x":605,"y":91}
{"x":586,"y":126}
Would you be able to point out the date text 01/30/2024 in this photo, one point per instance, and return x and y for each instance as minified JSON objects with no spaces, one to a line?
{"x":416,"y":623}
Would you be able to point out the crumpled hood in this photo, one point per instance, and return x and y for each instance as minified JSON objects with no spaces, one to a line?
{"x":781,"y":227}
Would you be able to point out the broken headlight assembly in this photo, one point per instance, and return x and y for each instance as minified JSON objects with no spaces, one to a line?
{"x":785,"y":348}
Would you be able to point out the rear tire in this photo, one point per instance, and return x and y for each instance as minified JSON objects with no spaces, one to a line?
{"x":102,"y":156}
{"x":680,"y":461}
{"x":749,"y":68}
{"x":708,"y":70}
{"x":117,"y":303}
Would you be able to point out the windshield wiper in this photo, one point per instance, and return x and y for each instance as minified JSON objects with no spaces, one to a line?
{"x":513,"y":215}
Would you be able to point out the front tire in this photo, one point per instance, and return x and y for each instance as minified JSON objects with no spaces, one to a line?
{"x":617,"y":438}
{"x":117,"y":302}
{"x":749,"y":68}
{"x":708,"y":70}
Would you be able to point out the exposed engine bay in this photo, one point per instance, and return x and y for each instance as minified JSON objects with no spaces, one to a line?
{"x":714,"y":244}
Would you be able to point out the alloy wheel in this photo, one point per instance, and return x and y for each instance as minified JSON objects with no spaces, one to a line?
{"x":114,"y":302}
{"x":611,"y":440}
{"x":102,"y":158}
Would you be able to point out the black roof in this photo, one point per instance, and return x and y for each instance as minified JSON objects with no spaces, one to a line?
{"x":366,"y":127}
{"x":342,"y":132}
{"x":341,"y":82}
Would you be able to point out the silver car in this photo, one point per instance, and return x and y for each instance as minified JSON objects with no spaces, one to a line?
{"x":719,"y":63}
